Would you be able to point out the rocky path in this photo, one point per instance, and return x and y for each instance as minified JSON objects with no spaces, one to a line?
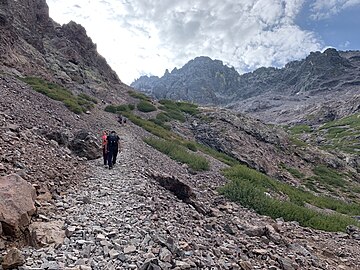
{"x":123,"y":219}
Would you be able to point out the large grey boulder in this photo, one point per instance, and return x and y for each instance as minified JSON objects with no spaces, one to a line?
{"x":17,"y":198}
{"x":85,"y":145}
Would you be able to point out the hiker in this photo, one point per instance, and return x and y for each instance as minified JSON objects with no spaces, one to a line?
{"x":113,"y":142}
{"x":120,"y":119}
{"x":103,"y":144}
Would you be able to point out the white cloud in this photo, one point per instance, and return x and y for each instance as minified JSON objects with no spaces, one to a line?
{"x":147,"y":36}
{"x":323,"y":9}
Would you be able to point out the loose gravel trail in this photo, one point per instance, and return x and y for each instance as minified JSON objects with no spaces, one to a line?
{"x":123,"y":219}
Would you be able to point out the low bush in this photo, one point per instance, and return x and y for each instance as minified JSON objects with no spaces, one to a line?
{"x":248,"y":187}
{"x":111,"y":108}
{"x":179,"y":153}
{"x":328,"y":176}
{"x":138,"y":95}
{"x":145,"y":106}
{"x":76,"y":104}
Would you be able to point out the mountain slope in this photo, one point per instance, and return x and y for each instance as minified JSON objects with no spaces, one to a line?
{"x":154,"y":210}
{"x":267,"y":93}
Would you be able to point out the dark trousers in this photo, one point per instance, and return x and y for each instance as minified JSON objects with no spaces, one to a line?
{"x":105,"y":155}
{"x":112,"y":154}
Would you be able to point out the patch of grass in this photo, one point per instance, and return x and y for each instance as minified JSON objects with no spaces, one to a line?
{"x":294,"y":172}
{"x":177,"y":110}
{"x":145,"y":106}
{"x":138,"y":95}
{"x":299,"y":129}
{"x":249,"y":187}
{"x":179,"y":153}
{"x":88,"y":98}
{"x":328,"y":176}
{"x":119,"y":108}
{"x":352,"y":121}
{"x":76,"y":104}
{"x":297,"y":142}
{"x":218,"y":155}
{"x":162,"y":132}
{"x":152,"y":127}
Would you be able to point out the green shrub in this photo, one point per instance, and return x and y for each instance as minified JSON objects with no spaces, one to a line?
{"x":248,"y":187}
{"x":177,"y":110}
{"x":191,"y":146}
{"x":151,"y":127}
{"x":131,"y":107}
{"x":123,"y":108}
{"x":111,"y":108}
{"x":145,"y":106}
{"x":88,"y":98}
{"x":138,"y":95}
{"x":76,"y":104}
{"x":294,"y":172}
{"x":73,"y":106}
{"x":217,"y":155}
{"x":179,"y":153}
{"x":300,"y":129}
{"x":328,"y":176}
{"x":163,"y":131}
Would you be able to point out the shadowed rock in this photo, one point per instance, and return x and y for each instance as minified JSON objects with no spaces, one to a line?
{"x":85,"y":145}
{"x":16,"y":204}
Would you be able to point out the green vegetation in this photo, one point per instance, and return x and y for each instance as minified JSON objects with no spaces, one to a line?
{"x":138,"y":95}
{"x":250,"y":187}
{"x":152,"y":127}
{"x":166,"y":134}
{"x":183,"y":107}
{"x":342,"y":134}
{"x":217,"y":155}
{"x":145,"y":106}
{"x":337,"y":135}
{"x":294,"y":172}
{"x":327,"y":176}
{"x":76,"y":104}
{"x":179,"y":153}
{"x":119,"y":108}
{"x":299,"y":129}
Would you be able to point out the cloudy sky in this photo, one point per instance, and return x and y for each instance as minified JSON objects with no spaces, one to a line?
{"x":145,"y":37}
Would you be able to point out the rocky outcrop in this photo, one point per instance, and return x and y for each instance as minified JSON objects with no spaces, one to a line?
{"x":275,"y":95}
{"x":85,"y":145}
{"x":16,"y":204}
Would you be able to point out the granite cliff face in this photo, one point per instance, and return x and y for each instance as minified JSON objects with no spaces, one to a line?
{"x":267,"y":93}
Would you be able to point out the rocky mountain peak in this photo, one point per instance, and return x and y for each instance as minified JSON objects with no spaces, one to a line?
{"x":265,"y":92}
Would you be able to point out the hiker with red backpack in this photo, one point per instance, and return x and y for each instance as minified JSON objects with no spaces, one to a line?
{"x":113,"y":146}
{"x":103,"y":145}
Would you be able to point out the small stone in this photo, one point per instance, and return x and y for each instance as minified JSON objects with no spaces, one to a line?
{"x":113,"y":254}
{"x":245,"y":265}
{"x":70,"y":231}
{"x":129,"y":249}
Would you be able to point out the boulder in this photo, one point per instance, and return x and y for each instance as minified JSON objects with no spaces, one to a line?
{"x":43,"y":234}
{"x":17,"y":198}
{"x":13,"y":259}
{"x":59,"y":137}
{"x":85,"y":145}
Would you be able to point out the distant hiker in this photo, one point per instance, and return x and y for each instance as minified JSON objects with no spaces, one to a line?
{"x":103,"y":144}
{"x":113,"y":141}
{"x":120,"y":119}
{"x":124,"y":119}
